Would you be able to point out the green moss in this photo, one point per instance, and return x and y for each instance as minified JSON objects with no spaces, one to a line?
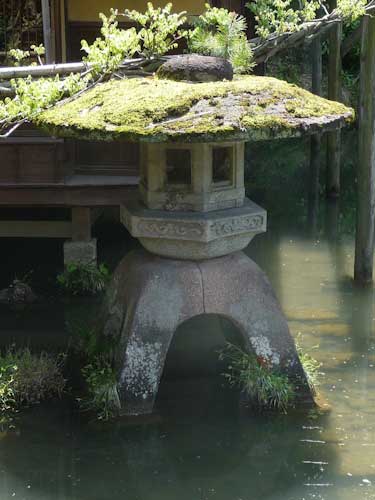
{"x":247,"y":108}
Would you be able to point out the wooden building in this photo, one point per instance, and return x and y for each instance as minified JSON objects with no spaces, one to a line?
{"x":41,"y":171}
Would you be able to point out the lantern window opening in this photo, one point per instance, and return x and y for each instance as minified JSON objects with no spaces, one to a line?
{"x":178,"y":167}
{"x":222,"y":166}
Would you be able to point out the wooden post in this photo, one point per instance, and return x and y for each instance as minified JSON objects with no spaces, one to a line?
{"x":81,"y":224}
{"x":315,"y":141}
{"x":364,"y":249}
{"x":334,"y":93}
{"x":47,"y":32}
{"x":316,"y":70}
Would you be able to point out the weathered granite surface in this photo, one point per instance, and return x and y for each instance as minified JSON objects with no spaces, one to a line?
{"x":80,"y":252}
{"x":196,"y":68}
{"x":151,"y":296}
{"x":194,"y":235}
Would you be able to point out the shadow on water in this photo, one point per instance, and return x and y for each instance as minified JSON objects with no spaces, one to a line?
{"x":199,"y":445}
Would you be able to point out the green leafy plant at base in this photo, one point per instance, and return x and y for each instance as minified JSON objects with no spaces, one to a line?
{"x":221,"y":33}
{"x":27,"y":378}
{"x":7,"y":372}
{"x":84,"y":279}
{"x":266,"y":388}
{"x":309,"y":364}
{"x":97,"y":357}
{"x":102,"y":394}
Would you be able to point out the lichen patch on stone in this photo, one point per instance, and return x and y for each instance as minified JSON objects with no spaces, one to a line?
{"x":263,"y":349}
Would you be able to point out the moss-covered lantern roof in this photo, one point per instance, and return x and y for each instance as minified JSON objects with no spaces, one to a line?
{"x":249,"y":108}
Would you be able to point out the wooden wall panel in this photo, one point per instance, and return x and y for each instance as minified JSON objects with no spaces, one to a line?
{"x":9,"y":162}
{"x":31,"y":164}
{"x":106,"y":158}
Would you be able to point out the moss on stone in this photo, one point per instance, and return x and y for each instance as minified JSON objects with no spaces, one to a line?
{"x":151,"y":109}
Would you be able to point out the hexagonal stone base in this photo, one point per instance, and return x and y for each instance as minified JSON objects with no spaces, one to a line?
{"x":194,"y":235}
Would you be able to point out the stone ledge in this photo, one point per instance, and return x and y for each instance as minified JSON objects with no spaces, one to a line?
{"x":193,"y":226}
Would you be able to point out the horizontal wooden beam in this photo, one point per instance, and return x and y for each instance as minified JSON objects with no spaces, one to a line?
{"x":64,"y":196}
{"x":35,"y":229}
{"x":30,"y":140}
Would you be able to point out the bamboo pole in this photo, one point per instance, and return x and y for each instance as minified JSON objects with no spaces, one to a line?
{"x":364,"y":249}
{"x":334,"y":93}
{"x":38,"y":71}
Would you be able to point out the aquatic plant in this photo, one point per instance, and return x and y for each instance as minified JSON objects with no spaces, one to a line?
{"x":102,"y":394}
{"x":265,"y":387}
{"x":309,"y":364}
{"x":96,"y":353}
{"x":27,"y":378}
{"x":83,"y":279}
{"x":7,"y":371}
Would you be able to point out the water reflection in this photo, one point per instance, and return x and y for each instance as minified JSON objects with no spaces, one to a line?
{"x":224,"y":458}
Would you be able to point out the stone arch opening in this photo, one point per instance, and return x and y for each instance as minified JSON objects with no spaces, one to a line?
{"x":192,"y":371}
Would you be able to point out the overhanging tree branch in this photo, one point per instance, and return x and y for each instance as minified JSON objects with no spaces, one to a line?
{"x":264,"y":49}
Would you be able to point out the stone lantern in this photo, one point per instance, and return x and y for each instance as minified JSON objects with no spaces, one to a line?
{"x":191,"y":215}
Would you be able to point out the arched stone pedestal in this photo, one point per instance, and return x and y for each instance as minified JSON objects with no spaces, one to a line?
{"x":151,"y":296}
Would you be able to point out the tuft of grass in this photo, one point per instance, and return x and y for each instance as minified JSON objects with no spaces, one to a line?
{"x":27,"y":378}
{"x":83,"y":279}
{"x":102,"y":394}
{"x":97,"y":356}
{"x":309,"y":364}
{"x":266,"y":388}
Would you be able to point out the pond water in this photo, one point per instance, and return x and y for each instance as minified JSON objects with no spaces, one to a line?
{"x":198,"y":445}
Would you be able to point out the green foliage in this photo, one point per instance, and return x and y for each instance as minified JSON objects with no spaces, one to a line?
{"x":97,"y":355}
{"x":87,"y":343}
{"x":7,"y":373}
{"x":287,"y":16}
{"x":108,"y":51}
{"x":280,"y":16}
{"x":23,"y":56}
{"x":266,"y":388}
{"x":102,"y":394}
{"x":221,"y":33}
{"x":84,"y":279}
{"x":160,"y":29}
{"x":351,"y":10}
{"x":27,"y":378}
{"x":18,"y":55}
{"x":33,"y":96}
{"x":309,"y":364}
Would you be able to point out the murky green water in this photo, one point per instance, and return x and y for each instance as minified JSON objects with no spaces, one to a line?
{"x":199,"y":445}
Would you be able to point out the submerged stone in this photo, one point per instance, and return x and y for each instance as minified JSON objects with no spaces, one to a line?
{"x":18,"y":294}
